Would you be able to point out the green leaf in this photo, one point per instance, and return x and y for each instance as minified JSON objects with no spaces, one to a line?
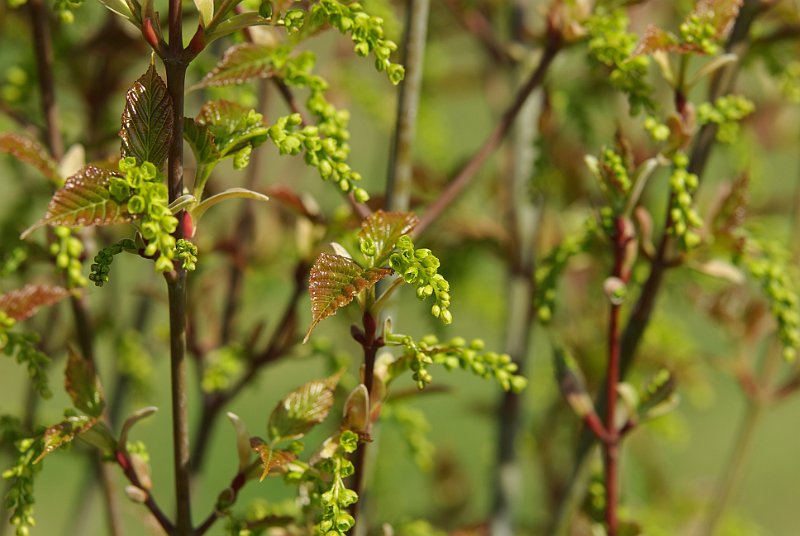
{"x":201,"y":140}
{"x":230,"y":193}
{"x":134,"y":418}
{"x":23,"y":303}
{"x":234,"y":24}
{"x":83,"y":386}
{"x":83,"y":200}
{"x":120,"y":7}
{"x":30,"y":152}
{"x":242,"y":441}
{"x":571,"y":382}
{"x":241,"y":63}
{"x":101,"y":437}
{"x":147,"y":120}
{"x":384,"y":229}
{"x":658,"y":396}
{"x":271,"y":459}
{"x":333,"y":283}
{"x":300,"y":411}
{"x":232,"y":125}
{"x":206,"y":10}
{"x":64,"y":432}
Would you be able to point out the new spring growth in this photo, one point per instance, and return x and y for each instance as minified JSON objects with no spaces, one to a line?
{"x":335,"y":520}
{"x":419,"y":267}
{"x":19,"y":499}
{"x":147,"y":199}
{"x":658,"y":131}
{"x":102,"y":261}
{"x":699,"y":30}
{"x":684,"y":218}
{"x":67,"y":251}
{"x":726,"y":112}
{"x":611,"y":45}
{"x":24,"y":348}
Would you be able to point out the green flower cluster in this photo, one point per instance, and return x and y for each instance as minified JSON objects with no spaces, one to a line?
{"x":611,"y":45}
{"x":768,"y":265}
{"x":222,"y":367}
{"x":420,"y":268}
{"x":146,"y":198}
{"x":11,"y":262}
{"x":726,"y":112}
{"x":22,"y":347}
{"x":699,"y":31}
{"x":325,"y":154}
{"x":102,"y":261}
{"x":658,"y":131}
{"x":65,"y":9}
{"x":186,"y":252}
{"x":456,"y":353}
{"x":550,"y":269}
{"x":614,"y":178}
{"x":67,"y":251}
{"x":337,"y":499}
{"x":684,"y":218}
{"x":366,"y":32}
{"x":19,"y":499}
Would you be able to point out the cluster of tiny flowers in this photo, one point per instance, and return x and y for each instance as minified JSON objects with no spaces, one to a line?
{"x":611,"y":45}
{"x":23,"y":347}
{"x":615,"y":174}
{"x":699,"y":31}
{"x":726,"y":112}
{"x":146,"y":198}
{"x":684,"y":218}
{"x":366,"y":32}
{"x":19,"y":499}
{"x":67,"y":252}
{"x":102,"y":261}
{"x":658,"y":131}
{"x":419,"y":268}
{"x":769,"y":269}
{"x":186,"y":252}
{"x":335,"y":520}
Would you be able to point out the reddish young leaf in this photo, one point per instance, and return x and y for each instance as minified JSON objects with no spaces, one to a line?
{"x":721,"y":13}
{"x":384,"y":228}
{"x":31,"y":152}
{"x":655,"y":39}
{"x":241,"y":63}
{"x":147,"y":120}
{"x":23,"y":303}
{"x":301,"y":410}
{"x":83,"y":200}
{"x":333,"y":283}
{"x":83,"y":386}
{"x":271,"y":459}
{"x":64,"y":432}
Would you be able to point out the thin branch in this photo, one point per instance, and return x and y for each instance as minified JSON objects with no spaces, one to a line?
{"x":470,"y":169}
{"x":124,"y":461}
{"x":475,"y":23}
{"x":43,"y":47}
{"x":401,"y":160}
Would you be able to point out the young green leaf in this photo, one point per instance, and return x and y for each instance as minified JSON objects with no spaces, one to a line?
{"x":83,"y":386}
{"x":232,"y":125}
{"x":271,"y":459}
{"x":64,"y":432}
{"x":242,"y":440}
{"x":147,"y":120}
{"x":658,"y":396}
{"x":31,"y":152}
{"x":333,"y":283}
{"x":356,"y":410}
{"x":133,"y":419}
{"x":201,"y":140}
{"x":234,"y":24}
{"x":230,"y":193}
{"x":240,"y":63}
{"x":83,"y":200}
{"x":206,"y":10}
{"x":383,"y":229}
{"x":23,"y":303}
{"x":300,"y":411}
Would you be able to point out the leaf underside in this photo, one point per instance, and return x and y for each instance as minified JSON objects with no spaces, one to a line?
{"x":333,"y":283}
{"x":240,"y":63}
{"x":301,"y":410}
{"x":23,"y":303}
{"x":271,"y":459}
{"x":385,"y":228}
{"x":30,"y":152}
{"x":147,"y":121}
{"x":83,"y":200}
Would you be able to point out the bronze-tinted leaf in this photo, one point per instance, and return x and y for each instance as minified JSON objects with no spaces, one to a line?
{"x":147,"y":120}
{"x":201,"y":140}
{"x":83,"y":200}
{"x":64,"y":432}
{"x":333,"y":283}
{"x":720,"y":13}
{"x":655,"y":39}
{"x":384,"y":228}
{"x":271,"y":459}
{"x":300,"y":411}
{"x":83,"y":386}
{"x":31,"y":152}
{"x":241,"y":63}
{"x":23,"y":303}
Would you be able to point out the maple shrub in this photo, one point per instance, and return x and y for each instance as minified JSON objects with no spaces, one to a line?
{"x":616,"y":222}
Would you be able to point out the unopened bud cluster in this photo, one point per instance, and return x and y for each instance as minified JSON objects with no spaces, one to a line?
{"x":419,"y":267}
{"x":726,"y":112}
{"x":102,"y":261}
{"x":67,"y":251}
{"x":699,"y":31}
{"x":549,"y":272}
{"x":335,"y":501}
{"x":684,"y":220}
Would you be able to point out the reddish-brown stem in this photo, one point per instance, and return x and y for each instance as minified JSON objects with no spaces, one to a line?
{"x":475,"y":23}
{"x":471,"y":168}
{"x":124,"y":461}
{"x":371,"y":343}
{"x":43,"y":48}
